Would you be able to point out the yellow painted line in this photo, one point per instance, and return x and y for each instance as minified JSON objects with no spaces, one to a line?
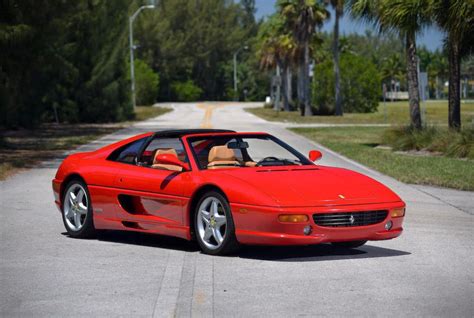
{"x":208,"y":110}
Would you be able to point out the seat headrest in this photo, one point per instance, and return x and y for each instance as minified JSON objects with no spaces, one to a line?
{"x":221,"y":153}
{"x":167,"y":151}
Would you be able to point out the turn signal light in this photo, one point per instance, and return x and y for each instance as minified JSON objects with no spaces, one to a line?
{"x":293,"y":218}
{"x":396,"y":213}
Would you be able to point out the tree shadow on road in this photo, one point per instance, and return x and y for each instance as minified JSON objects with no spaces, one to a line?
{"x":314,"y":253}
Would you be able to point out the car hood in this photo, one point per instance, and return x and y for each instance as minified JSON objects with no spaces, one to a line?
{"x":314,"y":186}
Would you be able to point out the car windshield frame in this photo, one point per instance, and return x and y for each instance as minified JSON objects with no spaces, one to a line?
{"x":192,"y":138}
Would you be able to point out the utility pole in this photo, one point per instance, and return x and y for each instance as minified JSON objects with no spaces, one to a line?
{"x":236,"y":96}
{"x":132,"y":48}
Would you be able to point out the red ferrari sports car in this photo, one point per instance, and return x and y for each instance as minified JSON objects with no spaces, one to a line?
{"x":222,"y":188}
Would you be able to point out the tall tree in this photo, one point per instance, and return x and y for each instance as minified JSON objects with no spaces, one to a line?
{"x":248,"y":17}
{"x":456,"y":17}
{"x":67,"y":59}
{"x":408,"y":18}
{"x":302,"y":17}
{"x":338,"y":6}
{"x":29,"y":49}
{"x":277,"y":49}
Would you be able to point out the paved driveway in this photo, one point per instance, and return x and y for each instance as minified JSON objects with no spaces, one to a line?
{"x":428,"y":271}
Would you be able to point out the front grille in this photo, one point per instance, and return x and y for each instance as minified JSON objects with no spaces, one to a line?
{"x":347,"y":219}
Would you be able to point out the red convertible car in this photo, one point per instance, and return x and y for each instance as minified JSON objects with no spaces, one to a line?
{"x":222,"y":188}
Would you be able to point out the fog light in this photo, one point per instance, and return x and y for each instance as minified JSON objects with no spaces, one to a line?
{"x":396,"y":213}
{"x":307,"y":230}
{"x":388,"y":225}
{"x":293,"y":218}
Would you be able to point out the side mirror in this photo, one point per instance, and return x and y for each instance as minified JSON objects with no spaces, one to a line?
{"x":169,"y":159}
{"x":315,"y":155}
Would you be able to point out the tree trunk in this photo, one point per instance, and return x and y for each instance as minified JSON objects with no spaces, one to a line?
{"x":437,"y":87}
{"x":454,"y":89}
{"x":300,"y":89}
{"x":284,"y":87}
{"x":412,"y":77}
{"x":391,"y":89}
{"x":289,"y":86}
{"x":277,"y":103}
{"x":335,"y":51}
{"x":307,"y":102}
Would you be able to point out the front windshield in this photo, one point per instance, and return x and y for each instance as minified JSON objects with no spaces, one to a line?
{"x":215,"y":152}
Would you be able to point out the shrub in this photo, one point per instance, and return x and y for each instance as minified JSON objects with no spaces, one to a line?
{"x":360,"y":85}
{"x":450,"y":143}
{"x":186,"y":91}
{"x":146,"y":81}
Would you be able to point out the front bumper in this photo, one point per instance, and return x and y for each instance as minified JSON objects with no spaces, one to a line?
{"x":260,"y":225}
{"x":57,"y":193}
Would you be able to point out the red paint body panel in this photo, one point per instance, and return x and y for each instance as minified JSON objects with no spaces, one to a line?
{"x":159,"y":201}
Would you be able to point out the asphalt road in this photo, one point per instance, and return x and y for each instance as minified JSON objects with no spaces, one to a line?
{"x":428,"y":271}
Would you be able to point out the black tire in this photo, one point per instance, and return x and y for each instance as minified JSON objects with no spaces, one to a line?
{"x":229,"y":243}
{"x":87,"y":230}
{"x":351,"y":244}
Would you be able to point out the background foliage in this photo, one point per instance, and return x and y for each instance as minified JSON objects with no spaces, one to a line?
{"x":68,"y":61}
{"x":64,"y":59}
{"x":360,"y":85}
{"x":147,"y":83}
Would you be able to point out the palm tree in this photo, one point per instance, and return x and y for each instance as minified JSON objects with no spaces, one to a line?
{"x":392,"y":69}
{"x":302,"y":17}
{"x":456,"y":17}
{"x":407,"y":17}
{"x":338,"y":6}
{"x":437,"y":71}
{"x":277,"y":50}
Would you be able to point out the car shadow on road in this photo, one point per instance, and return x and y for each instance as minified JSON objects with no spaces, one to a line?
{"x":144,"y":239}
{"x":314,"y":253}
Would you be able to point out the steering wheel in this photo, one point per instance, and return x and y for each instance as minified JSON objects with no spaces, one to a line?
{"x":267,"y":159}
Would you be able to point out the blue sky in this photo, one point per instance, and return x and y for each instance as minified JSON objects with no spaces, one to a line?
{"x":432,"y":37}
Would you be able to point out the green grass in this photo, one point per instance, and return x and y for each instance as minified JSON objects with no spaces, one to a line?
{"x":397,"y":113}
{"x":146,"y":112}
{"x":360,"y":144}
{"x":23,"y":149}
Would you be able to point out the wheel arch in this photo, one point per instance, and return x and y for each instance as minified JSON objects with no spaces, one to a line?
{"x":69,"y":178}
{"x":194,"y":201}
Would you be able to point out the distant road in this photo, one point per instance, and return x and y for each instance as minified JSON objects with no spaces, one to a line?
{"x":428,"y":271}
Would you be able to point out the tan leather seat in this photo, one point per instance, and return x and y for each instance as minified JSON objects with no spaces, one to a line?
{"x":169,"y":151}
{"x":222,"y":157}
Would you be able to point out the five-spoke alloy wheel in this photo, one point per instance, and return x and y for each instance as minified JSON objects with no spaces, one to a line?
{"x":77,"y":210}
{"x":214,"y":227}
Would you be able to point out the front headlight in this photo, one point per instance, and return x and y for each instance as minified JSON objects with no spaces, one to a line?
{"x":293,"y":218}
{"x":396,"y":213}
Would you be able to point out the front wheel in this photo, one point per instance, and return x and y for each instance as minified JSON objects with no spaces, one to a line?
{"x":214,"y":226}
{"x":77,"y":210}
{"x":351,"y":244}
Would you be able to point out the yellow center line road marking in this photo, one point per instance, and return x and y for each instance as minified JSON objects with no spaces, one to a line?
{"x":209,"y":109}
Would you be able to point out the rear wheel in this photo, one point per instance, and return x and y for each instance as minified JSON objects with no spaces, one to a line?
{"x":77,"y":210}
{"x":214,"y":226}
{"x":351,"y":244}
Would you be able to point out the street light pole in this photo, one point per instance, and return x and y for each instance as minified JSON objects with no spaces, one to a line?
{"x":132,"y":48}
{"x":235,"y":70}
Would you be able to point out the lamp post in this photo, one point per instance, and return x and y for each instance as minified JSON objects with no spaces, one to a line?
{"x":132,"y":47}
{"x":235,"y":70}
